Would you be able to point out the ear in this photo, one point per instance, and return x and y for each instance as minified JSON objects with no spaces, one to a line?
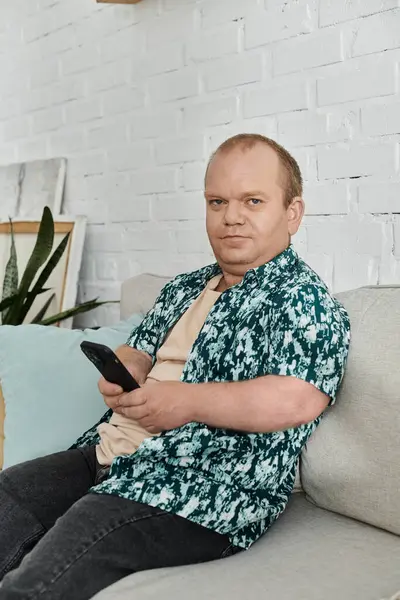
{"x":295,"y":213}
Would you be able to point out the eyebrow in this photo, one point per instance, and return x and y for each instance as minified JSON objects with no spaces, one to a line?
{"x":249,"y":194}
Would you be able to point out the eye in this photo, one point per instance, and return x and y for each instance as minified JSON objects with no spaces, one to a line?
{"x":216,"y":202}
{"x":255,"y":201}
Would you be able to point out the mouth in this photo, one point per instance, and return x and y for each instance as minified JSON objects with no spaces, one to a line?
{"x":234,"y":240}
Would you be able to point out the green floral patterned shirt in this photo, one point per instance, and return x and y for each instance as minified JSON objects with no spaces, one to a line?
{"x":280,"y":319}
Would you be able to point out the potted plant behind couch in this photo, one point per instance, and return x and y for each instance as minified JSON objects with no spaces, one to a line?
{"x":19,"y":296}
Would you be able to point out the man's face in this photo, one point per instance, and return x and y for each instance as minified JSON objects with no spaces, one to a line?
{"x":247,"y":221}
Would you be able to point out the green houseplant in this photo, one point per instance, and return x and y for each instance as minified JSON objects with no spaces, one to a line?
{"x":19,"y":295}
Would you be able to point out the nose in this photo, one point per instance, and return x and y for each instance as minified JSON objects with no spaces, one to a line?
{"x":234,"y":213}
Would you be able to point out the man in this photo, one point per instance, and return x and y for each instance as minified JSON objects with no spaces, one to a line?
{"x":237,"y":361}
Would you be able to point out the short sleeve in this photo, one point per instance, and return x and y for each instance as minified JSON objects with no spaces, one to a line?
{"x":145,"y":337}
{"x":310,"y":339}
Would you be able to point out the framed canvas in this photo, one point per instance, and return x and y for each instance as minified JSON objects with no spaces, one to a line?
{"x":26,"y":188}
{"x":64,"y":279}
{"x":120,"y":1}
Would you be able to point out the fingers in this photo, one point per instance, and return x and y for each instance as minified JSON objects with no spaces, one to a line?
{"x":135,"y":398}
{"x":138,"y":413}
{"x":110,"y":392}
{"x":109,"y":389}
{"x":132,"y":405}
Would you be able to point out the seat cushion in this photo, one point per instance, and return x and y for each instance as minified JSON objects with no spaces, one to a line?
{"x":351,"y":464}
{"x":308,"y":554}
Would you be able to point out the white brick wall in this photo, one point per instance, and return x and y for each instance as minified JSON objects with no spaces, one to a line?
{"x":207,"y":46}
{"x":358,"y":80}
{"x":136,"y":97}
{"x":377,"y":33}
{"x":319,"y":48}
{"x":343,"y":161}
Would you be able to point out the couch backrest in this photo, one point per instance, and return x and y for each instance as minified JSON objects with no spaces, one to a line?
{"x":351,"y":465}
{"x":139,"y":293}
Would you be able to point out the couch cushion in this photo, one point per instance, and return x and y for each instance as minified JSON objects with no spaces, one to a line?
{"x":2,"y":417}
{"x":49,"y":387}
{"x":308,"y":554}
{"x":352,"y":463}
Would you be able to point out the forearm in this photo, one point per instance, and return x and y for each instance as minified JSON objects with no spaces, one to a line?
{"x":259,"y":405}
{"x":138,"y":363}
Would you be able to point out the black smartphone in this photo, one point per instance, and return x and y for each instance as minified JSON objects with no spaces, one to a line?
{"x":109,"y":365}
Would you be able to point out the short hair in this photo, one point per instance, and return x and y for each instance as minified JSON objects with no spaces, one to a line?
{"x":293,"y":180}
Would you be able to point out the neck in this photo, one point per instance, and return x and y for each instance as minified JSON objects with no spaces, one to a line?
{"x":228,"y":280}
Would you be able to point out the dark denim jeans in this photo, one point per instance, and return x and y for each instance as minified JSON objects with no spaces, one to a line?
{"x":59,"y":542}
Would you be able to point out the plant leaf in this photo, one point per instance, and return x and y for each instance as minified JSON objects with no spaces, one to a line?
{"x":44,"y":275}
{"x":43,"y":310}
{"x":7,"y":302}
{"x":42,"y":291}
{"x":40,"y":253}
{"x":72,"y":312}
{"x":10,"y":283}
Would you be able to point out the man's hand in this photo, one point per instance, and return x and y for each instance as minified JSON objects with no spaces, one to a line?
{"x":159,"y":406}
{"x":138,"y":365}
{"x":110,"y":392}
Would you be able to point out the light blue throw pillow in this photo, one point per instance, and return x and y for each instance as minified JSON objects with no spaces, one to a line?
{"x":50,"y":387}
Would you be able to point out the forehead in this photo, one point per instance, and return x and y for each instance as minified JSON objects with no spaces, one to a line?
{"x":258,"y":167}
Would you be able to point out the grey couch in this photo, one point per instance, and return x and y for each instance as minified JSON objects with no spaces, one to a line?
{"x":339,"y":538}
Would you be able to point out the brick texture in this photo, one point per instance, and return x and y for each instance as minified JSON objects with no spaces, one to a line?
{"x":136,"y":97}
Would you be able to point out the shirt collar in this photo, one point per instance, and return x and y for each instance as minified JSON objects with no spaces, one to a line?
{"x":264,"y":275}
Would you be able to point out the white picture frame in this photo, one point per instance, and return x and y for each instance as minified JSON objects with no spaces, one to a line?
{"x":65,"y":278}
{"x":26,"y":188}
{"x":59,"y":192}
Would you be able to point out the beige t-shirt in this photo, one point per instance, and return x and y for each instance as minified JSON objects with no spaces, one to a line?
{"x":122,"y":435}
